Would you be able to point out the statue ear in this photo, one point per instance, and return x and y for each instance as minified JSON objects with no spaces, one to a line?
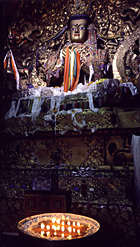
{"x":68,"y":34}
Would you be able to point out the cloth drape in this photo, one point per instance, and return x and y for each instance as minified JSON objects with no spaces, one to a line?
{"x":135,"y":150}
{"x":72,"y":70}
{"x":13,"y":66}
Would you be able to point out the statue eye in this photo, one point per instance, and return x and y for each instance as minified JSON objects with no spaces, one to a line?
{"x":82,"y":28}
{"x":72,"y":28}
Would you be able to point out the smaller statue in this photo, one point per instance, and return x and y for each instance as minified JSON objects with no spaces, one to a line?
{"x":129,"y":76}
{"x":129,"y":87}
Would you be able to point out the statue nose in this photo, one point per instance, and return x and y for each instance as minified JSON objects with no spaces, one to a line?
{"x":77,"y":29}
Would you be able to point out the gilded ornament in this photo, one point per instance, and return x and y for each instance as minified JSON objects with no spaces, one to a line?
{"x":114,"y":21}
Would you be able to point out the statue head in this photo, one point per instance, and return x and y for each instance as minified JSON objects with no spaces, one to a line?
{"x":128,"y":71}
{"x":78,"y":28}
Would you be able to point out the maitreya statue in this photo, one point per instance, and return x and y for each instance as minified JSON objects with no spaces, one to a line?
{"x":80,"y":59}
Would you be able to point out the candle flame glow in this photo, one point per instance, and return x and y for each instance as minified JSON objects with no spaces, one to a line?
{"x":63,"y":217}
{"x":42,"y":226}
{"x":58,"y":228}
{"x":78,"y":223}
{"x":78,"y":231}
{"x":48,"y":227}
{"x":62,"y":228}
{"x":54,"y":227}
{"x":58,"y":221}
{"x":69,"y":229}
{"x":42,"y":233}
{"x":53,"y":219}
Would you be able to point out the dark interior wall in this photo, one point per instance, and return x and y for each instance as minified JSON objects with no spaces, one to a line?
{"x":7,"y":10}
{"x":98,"y":188}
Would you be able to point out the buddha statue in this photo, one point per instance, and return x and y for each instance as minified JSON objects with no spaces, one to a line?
{"x":74,"y":59}
{"x":79,"y":60}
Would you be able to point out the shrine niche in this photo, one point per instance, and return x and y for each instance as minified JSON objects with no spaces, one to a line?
{"x":39,"y":43}
{"x":36,"y":39}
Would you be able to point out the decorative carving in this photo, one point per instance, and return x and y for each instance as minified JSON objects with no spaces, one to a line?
{"x":125,"y":55}
{"x":36,"y":23}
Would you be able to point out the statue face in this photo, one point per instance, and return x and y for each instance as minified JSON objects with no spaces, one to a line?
{"x":128,"y":72}
{"x":78,"y":30}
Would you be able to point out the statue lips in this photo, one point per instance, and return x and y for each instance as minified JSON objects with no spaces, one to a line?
{"x":77,"y":34}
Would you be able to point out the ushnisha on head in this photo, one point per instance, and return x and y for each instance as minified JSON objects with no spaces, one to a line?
{"x":78,"y":28}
